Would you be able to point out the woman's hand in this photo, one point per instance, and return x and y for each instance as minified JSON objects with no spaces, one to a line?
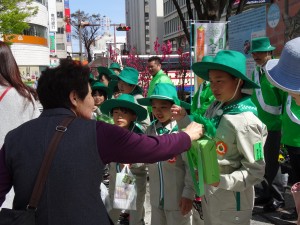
{"x":194,"y":130}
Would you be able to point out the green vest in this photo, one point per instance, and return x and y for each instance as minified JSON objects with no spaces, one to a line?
{"x":291,"y":123}
{"x":268,"y":100}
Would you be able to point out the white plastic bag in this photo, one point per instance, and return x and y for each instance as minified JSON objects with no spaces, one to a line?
{"x":105,"y":197}
{"x":125,"y":190}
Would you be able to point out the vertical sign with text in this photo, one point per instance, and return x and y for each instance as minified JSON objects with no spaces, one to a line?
{"x":52,"y":15}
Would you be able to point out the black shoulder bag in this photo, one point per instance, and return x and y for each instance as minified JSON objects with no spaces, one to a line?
{"x":27,"y":217}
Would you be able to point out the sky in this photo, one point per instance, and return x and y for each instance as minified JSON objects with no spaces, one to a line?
{"x":114,"y":9}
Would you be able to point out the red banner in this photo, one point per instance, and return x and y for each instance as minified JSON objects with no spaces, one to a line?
{"x":67,"y":20}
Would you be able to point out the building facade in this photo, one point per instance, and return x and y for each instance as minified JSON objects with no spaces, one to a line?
{"x":59,"y":30}
{"x":31,"y":49}
{"x":145,"y":17}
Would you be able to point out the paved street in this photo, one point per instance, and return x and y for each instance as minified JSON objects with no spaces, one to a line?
{"x":259,"y":217}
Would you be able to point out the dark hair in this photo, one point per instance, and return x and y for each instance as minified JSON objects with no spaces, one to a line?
{"x":10,"y":74}
{"x":101,"y":92}
{"x":155,"y":58}
{"x":123,"y":110}
{"x":56,"y":84}
{"x":105,"y":75}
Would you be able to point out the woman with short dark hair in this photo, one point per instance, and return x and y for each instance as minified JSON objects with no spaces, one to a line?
{"x":71,"y":193}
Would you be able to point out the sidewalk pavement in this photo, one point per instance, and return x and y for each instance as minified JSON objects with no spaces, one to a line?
{"x":259,"y":217}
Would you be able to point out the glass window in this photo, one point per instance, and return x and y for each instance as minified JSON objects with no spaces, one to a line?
{"x":60,"y":46}
{"x":60,"y":14}
{"x":60,"y":30}
{"x":44,"y":2}
{"x":36,"y":30}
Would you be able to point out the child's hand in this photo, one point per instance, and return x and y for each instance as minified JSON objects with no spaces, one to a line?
{"x":185,"y":205}
{"x":177,"y":112}
{"x":95,"y":108}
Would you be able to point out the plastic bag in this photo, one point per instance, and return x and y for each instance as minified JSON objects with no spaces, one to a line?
{"x":105,"y":197}
{"x":125,"y":190}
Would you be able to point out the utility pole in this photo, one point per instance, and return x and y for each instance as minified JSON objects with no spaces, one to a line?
{"x":80,"y":34}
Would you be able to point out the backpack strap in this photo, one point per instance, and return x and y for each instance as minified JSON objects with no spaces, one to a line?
{"x":4,"y":93}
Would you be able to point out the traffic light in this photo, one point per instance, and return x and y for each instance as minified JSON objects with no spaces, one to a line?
{"x":123,"y":28}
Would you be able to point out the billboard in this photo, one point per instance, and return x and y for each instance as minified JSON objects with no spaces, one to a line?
{"x":209,"y":39}
{"x":52,"y":43}
{"x":52,"y":15}
{"x":68,"y":20}
{"x":243,"y":27}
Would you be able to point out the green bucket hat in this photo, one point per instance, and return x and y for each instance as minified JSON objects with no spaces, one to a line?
{"x":232,"y":62}
{"x":91,"y":78}
{"x":112,"y":85}
{"x":125,"y":101}
{"x":115,"y":66}
{"x":164,"y":91}
{"x":97,"y":85}
{"x":107,"y":71}
{"x":128,"y":75}
{"x":261,"y":44}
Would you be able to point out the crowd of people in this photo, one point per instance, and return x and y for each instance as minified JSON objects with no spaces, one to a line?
{"x":112,"y":129}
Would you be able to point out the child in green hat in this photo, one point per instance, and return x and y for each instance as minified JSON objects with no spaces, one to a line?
{"x":115,"y":67}
{"x":105,"y":74}
{"x":171,"y":185}
{"x":126,"y":112}
{"x":128,"y":84}
{"x":239,"y":137}
{"x":100,"y":94}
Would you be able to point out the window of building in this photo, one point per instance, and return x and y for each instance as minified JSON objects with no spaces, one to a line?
{"x":44,"y":2}
{"x":60,"y":14}
{"x":58,"y":0}
{"x":60,"y":46}
{"x":60,"y":30}
{"x":36,"y":30}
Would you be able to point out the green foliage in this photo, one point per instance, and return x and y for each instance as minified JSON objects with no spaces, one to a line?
{"x":13,"y":15}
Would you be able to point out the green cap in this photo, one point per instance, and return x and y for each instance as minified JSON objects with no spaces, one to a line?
{"x":164,"y":91}
{"x":261,"y":44}
{"x":107,"y":71}
{"x":97,"y":85}
{"x":125,"y":101}
{"x":115,"y":66}
{"x":232,"y":62}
